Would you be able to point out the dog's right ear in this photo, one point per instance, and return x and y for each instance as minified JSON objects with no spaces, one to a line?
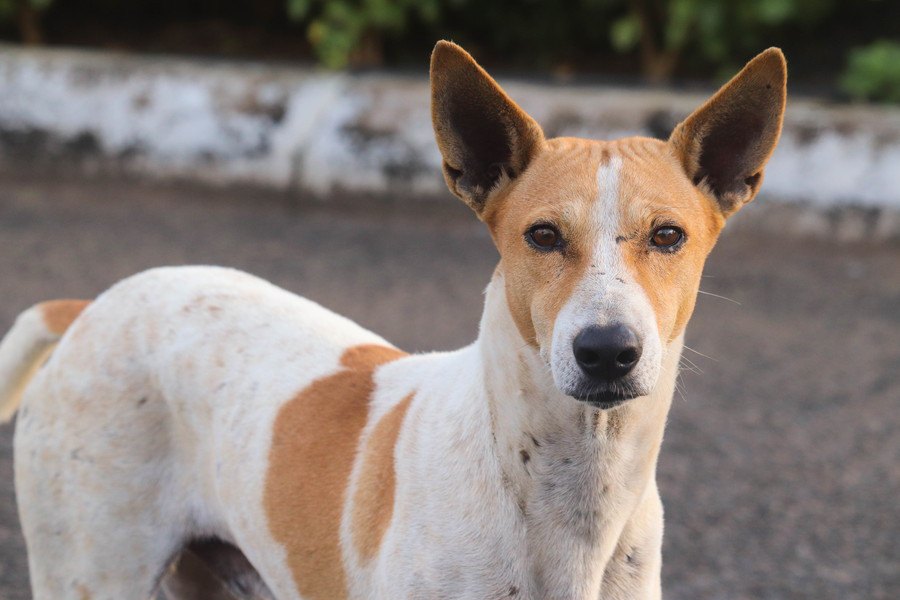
{"x":485,"y":139}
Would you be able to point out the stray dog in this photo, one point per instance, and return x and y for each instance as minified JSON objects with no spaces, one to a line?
{"x":301,"y":456}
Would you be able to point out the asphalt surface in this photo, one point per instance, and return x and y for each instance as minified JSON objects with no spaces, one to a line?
{"x":780,"y":472}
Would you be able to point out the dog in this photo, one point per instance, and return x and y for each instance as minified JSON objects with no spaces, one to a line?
{"x":298,"y":455}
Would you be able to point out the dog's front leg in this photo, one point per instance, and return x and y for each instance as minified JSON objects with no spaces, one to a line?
{"x":633,"y":572}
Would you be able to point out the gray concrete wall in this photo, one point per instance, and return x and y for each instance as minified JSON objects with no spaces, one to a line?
{"x":328,"y":133}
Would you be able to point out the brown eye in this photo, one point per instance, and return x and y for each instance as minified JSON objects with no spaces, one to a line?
{"x":667,"y":237}
{"x":543,"y":237}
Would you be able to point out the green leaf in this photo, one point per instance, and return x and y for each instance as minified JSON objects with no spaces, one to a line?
{"x":297,"y":10}
{"x":873,"y":72}
{"x":625,"y":33}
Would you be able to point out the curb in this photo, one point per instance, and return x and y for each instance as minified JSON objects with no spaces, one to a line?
{"x":321,"y":133}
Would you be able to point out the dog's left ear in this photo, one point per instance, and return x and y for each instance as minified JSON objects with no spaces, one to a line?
{"x":724,"y":145}
{"x":485,"y":139}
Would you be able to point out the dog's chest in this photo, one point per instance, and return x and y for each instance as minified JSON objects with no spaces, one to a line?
{"x":546,"y":532}
{"x":583,"y":487}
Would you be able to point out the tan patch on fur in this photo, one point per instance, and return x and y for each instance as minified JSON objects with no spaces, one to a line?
{"x":655,"y":191}
{"x":559,"y":188}
{"x":314,"y":442}
{"x":373,"y":502}
{"x":59,"y":314}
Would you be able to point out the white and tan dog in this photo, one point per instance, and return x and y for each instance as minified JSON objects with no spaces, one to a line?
{"x":306,"y":457}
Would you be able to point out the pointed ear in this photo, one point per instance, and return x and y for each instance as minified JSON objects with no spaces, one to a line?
{"x":725,"y":144}
{"x":485,"y":139}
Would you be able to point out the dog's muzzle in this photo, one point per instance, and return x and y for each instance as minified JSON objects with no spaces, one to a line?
{"x":606,"y":356}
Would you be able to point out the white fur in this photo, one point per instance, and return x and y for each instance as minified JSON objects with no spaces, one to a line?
{"x":21,"y":352}
{"x":607,"y":294}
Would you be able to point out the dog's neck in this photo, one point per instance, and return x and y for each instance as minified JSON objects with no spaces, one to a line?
{"x":576,"y":472}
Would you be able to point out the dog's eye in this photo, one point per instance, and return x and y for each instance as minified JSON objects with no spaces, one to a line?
{"x":667,"y":237}
{"x":543,"y":237}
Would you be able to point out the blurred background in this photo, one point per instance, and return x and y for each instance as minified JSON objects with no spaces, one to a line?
{"x":292,"y":139}
{"x":843,"y":49}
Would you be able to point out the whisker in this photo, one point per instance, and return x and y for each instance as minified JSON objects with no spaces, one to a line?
{"x":686,"y":347}
{"x":689,"y":366}
{"x":718,"y":296}
{"x":680,"y":388}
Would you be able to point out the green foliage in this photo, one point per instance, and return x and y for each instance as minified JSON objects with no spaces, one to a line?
{"x":663,"y":34}
{"x":9,"y":8}
{"x":712,"y":30}
{"x":339,"y":28}
{"x":873,"y":72}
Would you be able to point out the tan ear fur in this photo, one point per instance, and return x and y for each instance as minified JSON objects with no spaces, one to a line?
{"x":485,"y":139}
{"x":724,"y":145}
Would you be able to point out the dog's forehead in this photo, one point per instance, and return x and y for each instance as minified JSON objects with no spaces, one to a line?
{"x":573,"y":178}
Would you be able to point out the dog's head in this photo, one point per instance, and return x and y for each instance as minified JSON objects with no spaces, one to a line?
{"x":602,"y":243}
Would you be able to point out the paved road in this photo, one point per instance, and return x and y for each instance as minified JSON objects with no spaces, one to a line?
{"x":781,"y":466}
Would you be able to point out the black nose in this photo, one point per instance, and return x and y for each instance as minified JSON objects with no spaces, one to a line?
{"x":608,"y":352}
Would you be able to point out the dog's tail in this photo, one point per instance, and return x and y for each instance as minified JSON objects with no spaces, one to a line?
{"x":30,"y":341}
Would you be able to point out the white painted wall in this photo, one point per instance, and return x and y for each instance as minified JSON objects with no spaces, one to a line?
{"x":322,"y":132}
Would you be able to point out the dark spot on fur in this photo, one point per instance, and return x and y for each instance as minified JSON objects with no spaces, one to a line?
{"x":631,"y":557}
{"x":567,"y":461}
{"x":142,"y":401}
{"x":76,"y":456}
{"x":620,"y":280}
{"x":620,"y":239}
{"x":521,"y":505}
{"x":513,"y":591}
{"x":534,"y":441}
{"x":525,"y":456}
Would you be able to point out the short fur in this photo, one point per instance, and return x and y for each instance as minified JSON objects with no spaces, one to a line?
{"x":201,"y":412}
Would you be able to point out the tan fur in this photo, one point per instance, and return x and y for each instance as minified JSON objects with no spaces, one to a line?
{"x":559,"y":188}
{"x":59,"y":314}
{"x":314,"y":444}
{"x":373,"y":502}
{"x":656,"y":192}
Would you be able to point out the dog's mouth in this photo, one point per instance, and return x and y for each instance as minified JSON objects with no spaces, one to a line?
{"x":605,"y":396}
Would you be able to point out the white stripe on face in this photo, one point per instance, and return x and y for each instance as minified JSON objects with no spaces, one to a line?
{"x":605,"y":216}
{"x":607,"y":294}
